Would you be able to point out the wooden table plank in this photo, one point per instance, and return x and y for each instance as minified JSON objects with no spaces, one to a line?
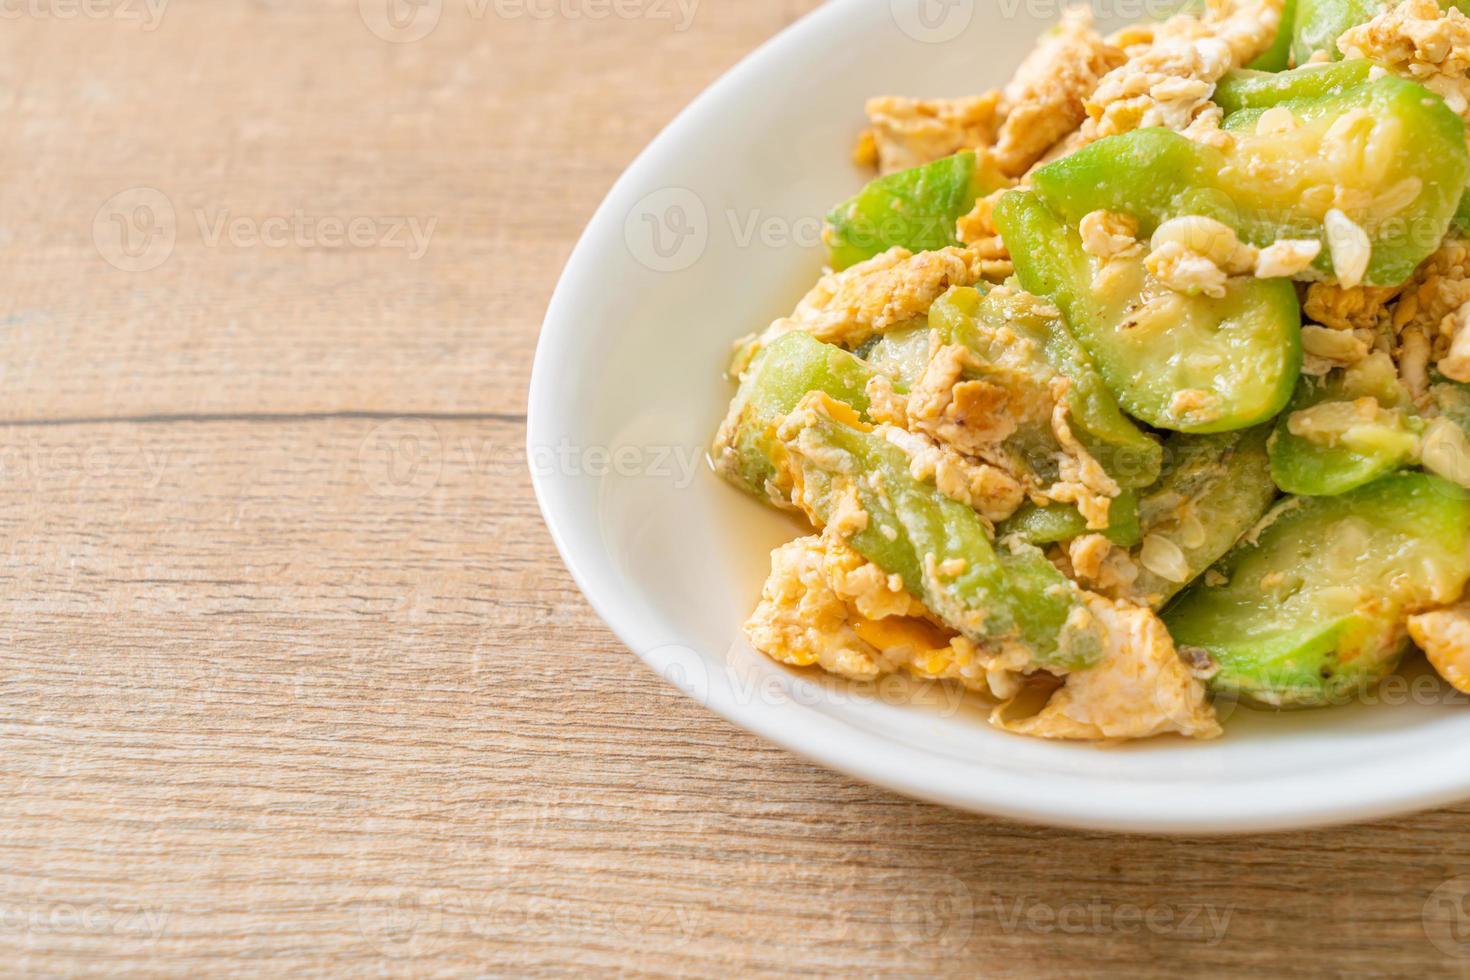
{"x":497,"y":135}
{"x":291,"y":678}
{"x":392,"y":735}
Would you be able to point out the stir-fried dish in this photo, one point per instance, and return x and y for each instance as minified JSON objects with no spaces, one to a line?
{"x":1141,"y":385}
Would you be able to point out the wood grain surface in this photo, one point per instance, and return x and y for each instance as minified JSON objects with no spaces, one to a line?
{"x":281,"y":700}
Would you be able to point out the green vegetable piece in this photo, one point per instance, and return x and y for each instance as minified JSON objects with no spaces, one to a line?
{"x":1241,"y":90}
{"x":1389,"y":154}
{"x":1006,"y":327}
{"x":1319,"y":23}
{"x":1278,"y":56}
{"x":782,"y":373}
{"x":1452,"y":400}
{"x":1462,"y":214}
{"x":1314,"y":604}
{"x":1063,"y":522}
{"x":914,"y":208}
{"x":900,"y":353}
{"x":1188,"y":363}
{"x":1444,"y":448}
{"x":1213,"y":491}
{"x":1358,"y":442}
{"x":941,"y":548}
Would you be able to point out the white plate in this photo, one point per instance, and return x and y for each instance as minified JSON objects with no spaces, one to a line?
{"x":627,"y":391}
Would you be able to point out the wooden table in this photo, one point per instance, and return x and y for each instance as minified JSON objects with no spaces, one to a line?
{"x":294,"y":682}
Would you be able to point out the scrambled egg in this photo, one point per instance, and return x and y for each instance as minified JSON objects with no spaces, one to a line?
{"x":992,"y":491}
{"x":1077,"y":86}
{"x":911,"y":132}
{"x":1172,"y":69}
{"x":972,"y":407}
{"x":1455,"y":364}
{"x":971,"y":414}
{"x":1140,"y":689}
{"x":1423,"y":323}
{"x":1361,"y":307}
{"x":824,"y":606}
{"x":1108,"y":235}
{"x":1082,"y":481}
{"x":978,"y":232}
{"x":1045,"y":100}
{"x":1418,"y":41}
{"x":1042,"y":105}
{"x":1325,"y":349}
{"x":1420,"y":322}
{"x":1434,"y":296}
{"x":1091,"y":559}
{"x":848,"y":307}
{"x":1197,"y":255}
{"x":1444,"y":636}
